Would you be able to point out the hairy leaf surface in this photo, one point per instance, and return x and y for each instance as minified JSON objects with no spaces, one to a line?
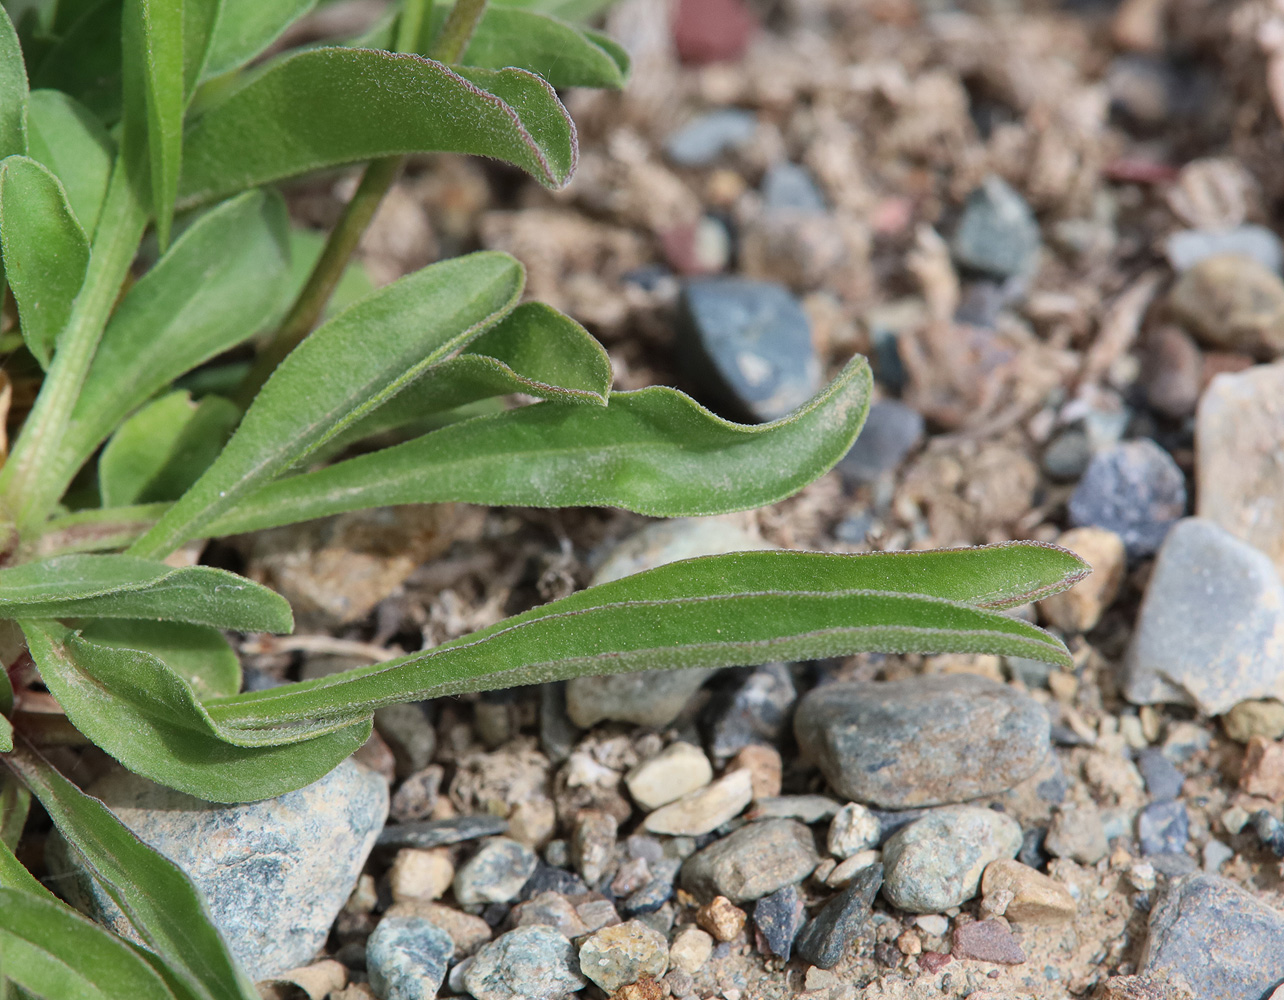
{"x":65,"y":136}
{"x":246,"y":27}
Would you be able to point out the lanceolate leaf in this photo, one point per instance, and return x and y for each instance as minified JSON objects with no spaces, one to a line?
{"x":342,"y":371}
{"x":13,"y":874}
{"x":133,"y":706}
{"x":213,"y":288}
{"x":117,"y":586}
{"x":197,"y":653}
{"x":708,"y":612}
{"x":55,"y":952}
{"x":654,"y":451}
{"x":165,"y":909}
{"x":65,"y":136}
{"x":46,"y":252}
{"x":326,"y":107}
{"x":246,"y":27}
{"x":13,"y":91}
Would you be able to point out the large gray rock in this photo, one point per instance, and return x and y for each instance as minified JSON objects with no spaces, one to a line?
{"x":1223,"y":942}
{"x":937,"y":862}
{"x":921,"y":742}
{"x":274,"y":874}
{"x":751,"y":862}
{"x":1211,"y":628}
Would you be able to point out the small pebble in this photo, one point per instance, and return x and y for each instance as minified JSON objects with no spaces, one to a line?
{"x":997,"y":233}
{"x":790,"y":187}
{"x":439,"y":832}
{"x":467,"y":932}
{"x":1067,"y":455}
{"x":527,"y":963}
{"x":409,"y":734}
{"x":807,"y":809}
{"x":1163,"y":828}
{"x":1262,"y":773}
{"x":406,"y":958}
{"x":1270,"y":831}
{"x":657,"y":891}
{"x":419,"y":874}
{"x":766,"y":769}
{"x":987,"y":941}
{"x":842,"y":874}
{"x":756,"y":712}
{"x":1232,"y":303}
{"x":1163,"y":780}
{"x":1134,"y":489}
{"x":853,"y":830}
{"x":690,"y":950}
{"x":829,"y":935}
{"x":1256,"y":717}
{"x":1215,"y":854}
{"x":933,"y":924}
{"x":675,"y":771}
{"x":751,"y":862}
{"x":705,"y":809}
{"x":778,"y":918}
{"x":1172,"y":372}
{"x":417,"y":795}
{"x":703,"y":139}
{"x":1188,"y":247}
{"x":721,"y":918}
{"x":496,"y":873}
{"x":706,"y":31}
{"x":623,"y":954}
{"x":1035,"y":898}
{"x":550,"y":909}
{"x":936,"y":862}
{"x":1079,"y":609}
{"x":1077,"y":832}
{"x":593,"y":844}
{"x":892,"y":430}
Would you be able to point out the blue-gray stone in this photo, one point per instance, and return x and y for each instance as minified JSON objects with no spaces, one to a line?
{"x":1067,"y":455}
{"x":1134,"y":489}
{"x":657,"y":891}
{"x":496,"y":873}
{"x":756,"y":711}
{"x":274,"y":874}
{"x":406,"y":958}
{"x":891,"y":430}
{"x":1270,"y":831}
{"x":440,"y":832}
{"x":779,"y":917}
{"x":1163,"y":780}
{"x":997,"y":234}
{"x":1224,"y":943}
{"x":702,"y":140}
{"x":747,"y":344}
{"x":1163,"y":828}
{"x":534,"y":962}
{"x":788,"y":186}
{"x":1188,"y":247}
{"x":835,"y":928}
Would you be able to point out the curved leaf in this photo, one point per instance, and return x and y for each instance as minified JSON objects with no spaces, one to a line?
{"x":46,"y":253}
{"x":55,"y":952}
{"x":13,"y":91}
{"x":80,"y":64}
{"x":336,"y":376}
{"x":133,"y":706}
{"x":153,"y":893}
{"x":197,"y":653}
{"x":212,"y":290}
{"x":655,"y":451}
{"x":245,"y":28}
{"x":326,"y":107}
{"x":65,"y":136}
{"x":708,"y":612}
{"x":117,"y":586}
{"x":152,"y":54}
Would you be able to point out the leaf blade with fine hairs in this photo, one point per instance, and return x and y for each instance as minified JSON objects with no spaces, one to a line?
{"x":119,"y":586}
{"x":326,"y":107}
{"x":46,"y":252}
{"x":53,"y":951}
{"x":245,"y":28}
{"x":654,"y":451}
{"x":65,"y":136}
{"x":200,"y":655}
{"x":154,"y":894}
{"x":133,"y":706}
{"x":333,"y":378}
{"x":13,"y":90}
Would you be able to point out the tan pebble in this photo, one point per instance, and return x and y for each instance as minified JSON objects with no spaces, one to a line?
{"x":705,"y":810}
{"x":909,"y":943}
{"x":1263,"y":770}
{"x":1232,"y":303}
{"x":420,"y":874}
{"x":1255,"y":718}
{"x":365,"y":896}
{"x":721,"y":918}
{"x":1032,"y":897}
{"x":764,"y":766}
{"x":843,"y":874}
{"x":643,"y":989}
{"x":1080,"y":608}
{"x":674,"y":772}
{"x":533,"y":822}
{"x":690,"y":950}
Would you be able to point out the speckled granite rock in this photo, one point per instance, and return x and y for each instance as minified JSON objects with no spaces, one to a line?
{"x":407,"y":958}
{"x":527,"y":963}
{"x":752,"y":862}
{"x":274,"y":873}
{"x":937,"y":862}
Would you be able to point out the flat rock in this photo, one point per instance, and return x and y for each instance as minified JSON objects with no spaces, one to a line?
{"x":440,"y":832}
{"x":1239,"y":436}
{"x":407,"y":957}
{"x":1188,"y":247}
{"x":997,"y":232}
{"x":927,"y":741}
{"x":1210,"y":631}
{"x":1134,"y":489}
{"x":937,"y":862}
{"x":676,"y":770}
{"x":527,"y":963}
{"x":1223,"y":942}
{"x":496,"y":873}
{"x":623,"y":954}
{"x":1035,"y":898}
{"x":748,"y":345}
{"x":986,"y":941}
{"x":705,"y":809}
{"x":751,"y":862}
{"x":832,"y":932}
{"x":274,"y":874}
{"x":804,"y":808}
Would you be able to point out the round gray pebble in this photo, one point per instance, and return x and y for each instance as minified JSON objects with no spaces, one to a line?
{"x":936,"y":862}
{"x":406,"y":958}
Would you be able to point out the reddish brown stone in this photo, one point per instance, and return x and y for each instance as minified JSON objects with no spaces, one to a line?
{"x":1263,"y":770}
{"x":987,"y":941}
{"x":721,"y":918}
{"x":706,"y":31}
{"x":933,"y":961}
{"x":643,"y":989}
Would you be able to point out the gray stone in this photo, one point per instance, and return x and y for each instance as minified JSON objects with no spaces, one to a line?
{"x":931,"y":740}
{"x":748,"y":345}
{"x":1211,"y":627}
{"x":1223,"y":942}
{"x":997,"y":234}
{"x":702,"y":140}
{"x":1163,"y":780}
{"x":651,"y":698}
{"x":1187,"y":247}
{"x":778,"y":918}
{"x":622,"y":954}
{"x":527,"y":963}
{"x":835,"y":928}
{"x":751,"y":862}
{"x":407,"y":957}
{"x":496,"y":873}
{"x":409,"y":735}
{"x":1067,"y":455}
{"x":756,"y":712}
{"x":657,"y":891}
{"x":891,"y":431}
{"x":274,"y":874}
{"x":787,"y":186}
{"x":936,"y":862}
{"x":1163,"y":828}
{"x":426,"y":834}
{"x":1134,"y":489}
{"x":1077,"y":832}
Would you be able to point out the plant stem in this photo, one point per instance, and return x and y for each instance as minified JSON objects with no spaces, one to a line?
{"x":379,"y":174}
{"x":29,"y":483}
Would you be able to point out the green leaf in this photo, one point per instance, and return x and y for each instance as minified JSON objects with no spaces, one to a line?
{"x":15,"y":801}
{"x":153,"y":893}
{"x":245,"y":28}
{"x":6,"y":734}
{"x":326,"y":107}
{"x":336,"y":376}
{"x":197,"y":653}
{"x":655,"y":451}
{"x":212,"y":290}
{"x":55,"y":952}
{"x":65,"y":136}
{"x":133,"y":706}
{"x":118,"y":586}
{"x":80,"y":64}
{"x":163,"y":448}
{"x":744,"y":608}
{"x":13,"y":90}
{"x":94,"y":530}
{"x":13,"y":874}
{"x":152,"y":33}
{"x":46,"y":253}
{"x":568,"y":10}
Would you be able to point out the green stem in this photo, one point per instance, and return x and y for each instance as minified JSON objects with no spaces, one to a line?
{"x":29,"y":483}
{"x":379,"y":174}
